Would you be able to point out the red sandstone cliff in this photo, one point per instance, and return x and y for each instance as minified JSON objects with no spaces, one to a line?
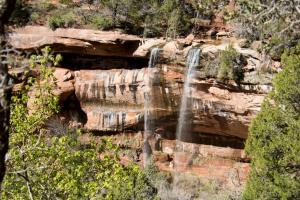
{"x":106,"y":72}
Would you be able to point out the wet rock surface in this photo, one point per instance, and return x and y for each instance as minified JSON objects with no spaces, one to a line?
{"x":110,"y":90}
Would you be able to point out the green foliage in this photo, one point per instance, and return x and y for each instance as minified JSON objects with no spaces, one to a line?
{"x":173,"y":24}
{"x":231,"y":65}
{"x":150,"y":28}
{"x":274,"y":47}
{"x":39,"y":10}
{"x":100,"y":22}
{"x":55,"y":22}
{"x":151,"y":18}
{"x":44,"y":165}
{"x":62,"y":18}
{"x":34,"y":16}
{"x":274,"y":142}
{"x":174,"y":14}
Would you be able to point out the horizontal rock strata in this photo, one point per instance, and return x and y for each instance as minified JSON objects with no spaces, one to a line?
{"x":107,"y":73}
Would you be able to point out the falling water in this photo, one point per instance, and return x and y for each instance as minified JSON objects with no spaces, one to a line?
{"x":184,"y":123}
{"x":148,"y":104}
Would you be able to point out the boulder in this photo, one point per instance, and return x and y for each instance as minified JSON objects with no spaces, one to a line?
{"x":64,"y":80}
{"x":224,"y":94}
{"x":256,"y":45}
{"x":170,"y":50}
{"x":144,"y":49}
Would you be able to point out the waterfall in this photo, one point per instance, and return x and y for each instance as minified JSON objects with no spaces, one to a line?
{"x":184,"y":121}
{"x":148,"y":105}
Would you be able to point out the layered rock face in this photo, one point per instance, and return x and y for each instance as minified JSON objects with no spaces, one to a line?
{"x":114,"y":99}
{"x":111,"y":92}
{"x":88,"y":42}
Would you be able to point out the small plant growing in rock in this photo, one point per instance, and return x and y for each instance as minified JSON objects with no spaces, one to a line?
{"x":231,"y":65}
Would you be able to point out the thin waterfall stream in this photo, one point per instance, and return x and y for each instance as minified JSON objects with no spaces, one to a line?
{"x":147,"y":151}
{"x":184,"y":123}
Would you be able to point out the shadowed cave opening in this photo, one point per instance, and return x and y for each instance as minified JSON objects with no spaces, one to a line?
{"x":71,"y":109}
{"x":83,"y":61}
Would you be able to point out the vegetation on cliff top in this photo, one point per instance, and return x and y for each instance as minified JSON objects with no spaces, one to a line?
{"x":143,"y":17}
{"x":276,"y":23}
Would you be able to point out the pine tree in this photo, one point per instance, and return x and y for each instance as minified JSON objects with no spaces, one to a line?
{"x":274,"y":140}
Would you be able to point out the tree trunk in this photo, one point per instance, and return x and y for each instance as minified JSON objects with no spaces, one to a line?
{"x":6,"y":8}
{"x":115,"y":13}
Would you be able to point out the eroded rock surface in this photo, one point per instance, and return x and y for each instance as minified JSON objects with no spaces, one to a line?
{"x":114,"y":99}
{"x":111,"y":92}
{"x":64,"y":79}
{"x":81,"y":41}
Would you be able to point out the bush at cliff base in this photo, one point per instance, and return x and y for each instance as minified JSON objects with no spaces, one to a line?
{"x":274,"y":140}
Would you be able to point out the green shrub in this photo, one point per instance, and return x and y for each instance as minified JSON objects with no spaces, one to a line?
{"x":275,"y":53}
{"x":62,"y":18}
{"x":100,"y":22}
{"x":55,"y":22}
{"x":231,"y":65}
{"x":34,"y":16}
{"x":151,"y":29}
{"x":70,"y":18}
{"x":274,"y":143}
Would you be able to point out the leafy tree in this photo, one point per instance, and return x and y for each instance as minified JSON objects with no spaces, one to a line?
{"x":46,"y":165}
{"x":153,"y":23}
{"x":274,"y":140}
{"x":114,"y":6}
{"x":165,"y":17}
{"x":173,"y":24}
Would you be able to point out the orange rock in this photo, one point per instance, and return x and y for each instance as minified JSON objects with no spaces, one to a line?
{"x":220,"y":93}
{"x":91,"y":42}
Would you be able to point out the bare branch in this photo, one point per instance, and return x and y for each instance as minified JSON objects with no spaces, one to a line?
{"x":289,"y":27}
